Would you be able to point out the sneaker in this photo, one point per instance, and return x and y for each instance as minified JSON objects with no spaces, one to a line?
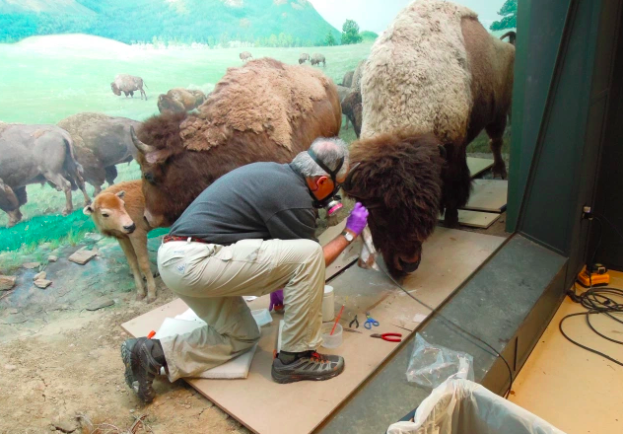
{"x":143,"y":358}
{"x":309,"y":366}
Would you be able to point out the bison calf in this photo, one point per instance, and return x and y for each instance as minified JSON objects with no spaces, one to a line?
{"x":118,"y":212}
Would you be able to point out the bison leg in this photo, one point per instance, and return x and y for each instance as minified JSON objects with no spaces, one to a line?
{"x":15,"y":217}
{"x":111,"y":174}
{"x":63,"y":184}
{"x":22,"y":196}
{"x":456,"y":184}
{"x":139,"y":242}
{"x":495,"y":132}
{"x":130,"y":255}
{"x":143,"y":94}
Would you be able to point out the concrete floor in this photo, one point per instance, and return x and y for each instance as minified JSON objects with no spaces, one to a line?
{"x":577,"y":391}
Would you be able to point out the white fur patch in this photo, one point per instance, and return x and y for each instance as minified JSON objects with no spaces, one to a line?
{"x":417,"y":77}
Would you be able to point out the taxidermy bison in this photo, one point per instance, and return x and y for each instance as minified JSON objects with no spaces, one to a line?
{"x":100,"y":143}
{"x":118,"y":213}
{"x":263,"y":111}
{"x":32,"y":154}
{"x":128,"y":84}
{"x":351,"y":103}
{"x":317,"y":59}
{"x":180,"y":100}
{"x":245,"y":55}
{"x":304,"y":57}
{"x":434,"y":80}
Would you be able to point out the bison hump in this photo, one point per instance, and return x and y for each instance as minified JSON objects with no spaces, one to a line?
{"x":263,"y":97}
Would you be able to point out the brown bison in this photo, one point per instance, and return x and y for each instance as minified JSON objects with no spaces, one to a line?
{"x":128,"y":84}
{"x":351,"y":104}
{"x":245,"y":55}
{"x":263,"y":111}
{"x":100,"y":143}
{"x":304,"y":57}
{"x":35,"y":154}
{"x":347,"y":81}
{"x":180,"y":100}
{"x":317,"y":59}
{"x":434,"y":80}
{"x":118,"y":212}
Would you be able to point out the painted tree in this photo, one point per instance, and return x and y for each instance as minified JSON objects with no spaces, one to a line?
{"x":329,"y":40}
{"x":508,"y":12}
{"x":350,"y":33}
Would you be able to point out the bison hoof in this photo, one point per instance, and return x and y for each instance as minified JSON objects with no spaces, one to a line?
{"x":151,"y":298}
{"x":67,"y":212}
{"x":500,"y":171}
{"x":140,"y":296}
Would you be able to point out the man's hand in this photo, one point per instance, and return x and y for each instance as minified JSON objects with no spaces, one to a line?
{"x":276,"y":301}
{"x":358,"y":219}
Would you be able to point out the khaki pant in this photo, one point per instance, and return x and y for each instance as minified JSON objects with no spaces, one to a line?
{"x":212,"y":279}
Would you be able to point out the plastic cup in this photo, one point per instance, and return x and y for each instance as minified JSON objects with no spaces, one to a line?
{"x":334,"y":340}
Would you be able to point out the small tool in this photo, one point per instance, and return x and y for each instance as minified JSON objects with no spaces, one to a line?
{"x":390,"y":337}
{"x":354,"y":321}
{"x":353,"y":331}
{"x":370,"y":322}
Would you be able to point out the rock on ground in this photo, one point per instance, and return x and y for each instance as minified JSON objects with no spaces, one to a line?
{"x":82,"y":256}
{"x":42,"y":283}
{"x":7,"y":282}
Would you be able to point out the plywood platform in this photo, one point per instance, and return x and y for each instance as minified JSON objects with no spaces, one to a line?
{"x":476,"y":219}
{"x":488,"y":195}
{"x":478,"y":165}
{"x":449,"y":257}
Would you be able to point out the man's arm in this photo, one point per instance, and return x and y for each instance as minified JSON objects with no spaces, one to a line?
{"x":336,"y":246}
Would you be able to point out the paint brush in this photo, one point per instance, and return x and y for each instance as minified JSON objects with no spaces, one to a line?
{"x":337,"y":320}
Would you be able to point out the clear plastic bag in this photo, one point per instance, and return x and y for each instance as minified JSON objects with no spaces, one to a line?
{"x":432,"y":365}
{"x":461,"y":406}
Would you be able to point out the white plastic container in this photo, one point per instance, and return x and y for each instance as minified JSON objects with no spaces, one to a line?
{"x":334,"y":340}
{"x":328,"y":304}
{"x":262,"y":317}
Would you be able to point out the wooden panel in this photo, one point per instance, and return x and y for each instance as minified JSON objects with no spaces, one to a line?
{"x":264,"y":406}
{"x":478,"y":165}
{"x":488,"y":195}
{"x":476,"y":219}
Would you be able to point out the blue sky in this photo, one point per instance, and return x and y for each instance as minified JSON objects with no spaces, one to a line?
{"x":375,"y":15}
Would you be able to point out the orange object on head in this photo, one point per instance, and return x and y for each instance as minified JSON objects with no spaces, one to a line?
{"x":151,"y":334}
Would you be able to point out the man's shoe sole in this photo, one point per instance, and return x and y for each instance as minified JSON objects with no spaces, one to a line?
{"x":288,"y":378}
{"x":126,"y":356}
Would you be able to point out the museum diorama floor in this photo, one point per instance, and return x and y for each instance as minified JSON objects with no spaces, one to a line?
{"x":575,"y":390}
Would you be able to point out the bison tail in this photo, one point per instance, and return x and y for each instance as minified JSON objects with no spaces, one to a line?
{"x":73,"y":169}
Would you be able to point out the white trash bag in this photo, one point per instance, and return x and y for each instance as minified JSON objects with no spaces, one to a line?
{"x":464,"y":407}
{"x":431,"y":365}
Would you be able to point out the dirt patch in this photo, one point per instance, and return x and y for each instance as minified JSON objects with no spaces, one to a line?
{"x":58,"y":360}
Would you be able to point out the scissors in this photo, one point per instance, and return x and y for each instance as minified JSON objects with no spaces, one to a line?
{"x":390,"y":337}
{"x":370,"y":322}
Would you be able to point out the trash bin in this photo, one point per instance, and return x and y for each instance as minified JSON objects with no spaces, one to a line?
{"x":463,"y":407}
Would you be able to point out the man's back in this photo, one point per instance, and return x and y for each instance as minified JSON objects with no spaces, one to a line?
{"x":256,"y":201}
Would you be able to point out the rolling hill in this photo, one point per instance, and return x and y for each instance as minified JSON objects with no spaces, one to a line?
{"x":187,"y":21}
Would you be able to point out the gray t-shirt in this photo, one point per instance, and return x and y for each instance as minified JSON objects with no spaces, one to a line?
{"x":256,"y":201}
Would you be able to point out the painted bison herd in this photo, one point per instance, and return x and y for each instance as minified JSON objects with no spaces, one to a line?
{"x":433,"y":81}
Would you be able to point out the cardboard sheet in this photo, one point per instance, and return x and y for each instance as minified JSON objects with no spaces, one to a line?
{"x":489,"y":195}
{"x":263,"y":406}
{"x":476,"y":219}
{"x":478,"y":165}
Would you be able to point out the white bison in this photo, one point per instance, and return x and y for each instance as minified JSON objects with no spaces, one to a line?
{"x":128,"y":84}
{"x":433,"y":81}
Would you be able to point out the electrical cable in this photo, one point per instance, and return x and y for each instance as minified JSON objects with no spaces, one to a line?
{"x":596,"y":300}
{"x":434,"y":311}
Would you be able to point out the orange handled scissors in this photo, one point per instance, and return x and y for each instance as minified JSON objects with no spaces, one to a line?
{"x":390,"y":337}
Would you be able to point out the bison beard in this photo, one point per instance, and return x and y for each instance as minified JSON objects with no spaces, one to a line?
{"x":399,"y":179}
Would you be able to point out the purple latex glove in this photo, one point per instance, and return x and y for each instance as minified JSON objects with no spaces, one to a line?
{"x":276,"y":300}
{"x":358,"y":219}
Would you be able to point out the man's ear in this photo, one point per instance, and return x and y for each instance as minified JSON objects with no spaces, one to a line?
{"x":88,"y":210}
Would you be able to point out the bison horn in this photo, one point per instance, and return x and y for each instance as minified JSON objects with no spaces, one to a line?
{"x":143,"y":147}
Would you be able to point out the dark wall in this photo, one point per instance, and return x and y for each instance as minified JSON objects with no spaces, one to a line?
{"x":558,"y":151}
{"x":609,"y":195}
